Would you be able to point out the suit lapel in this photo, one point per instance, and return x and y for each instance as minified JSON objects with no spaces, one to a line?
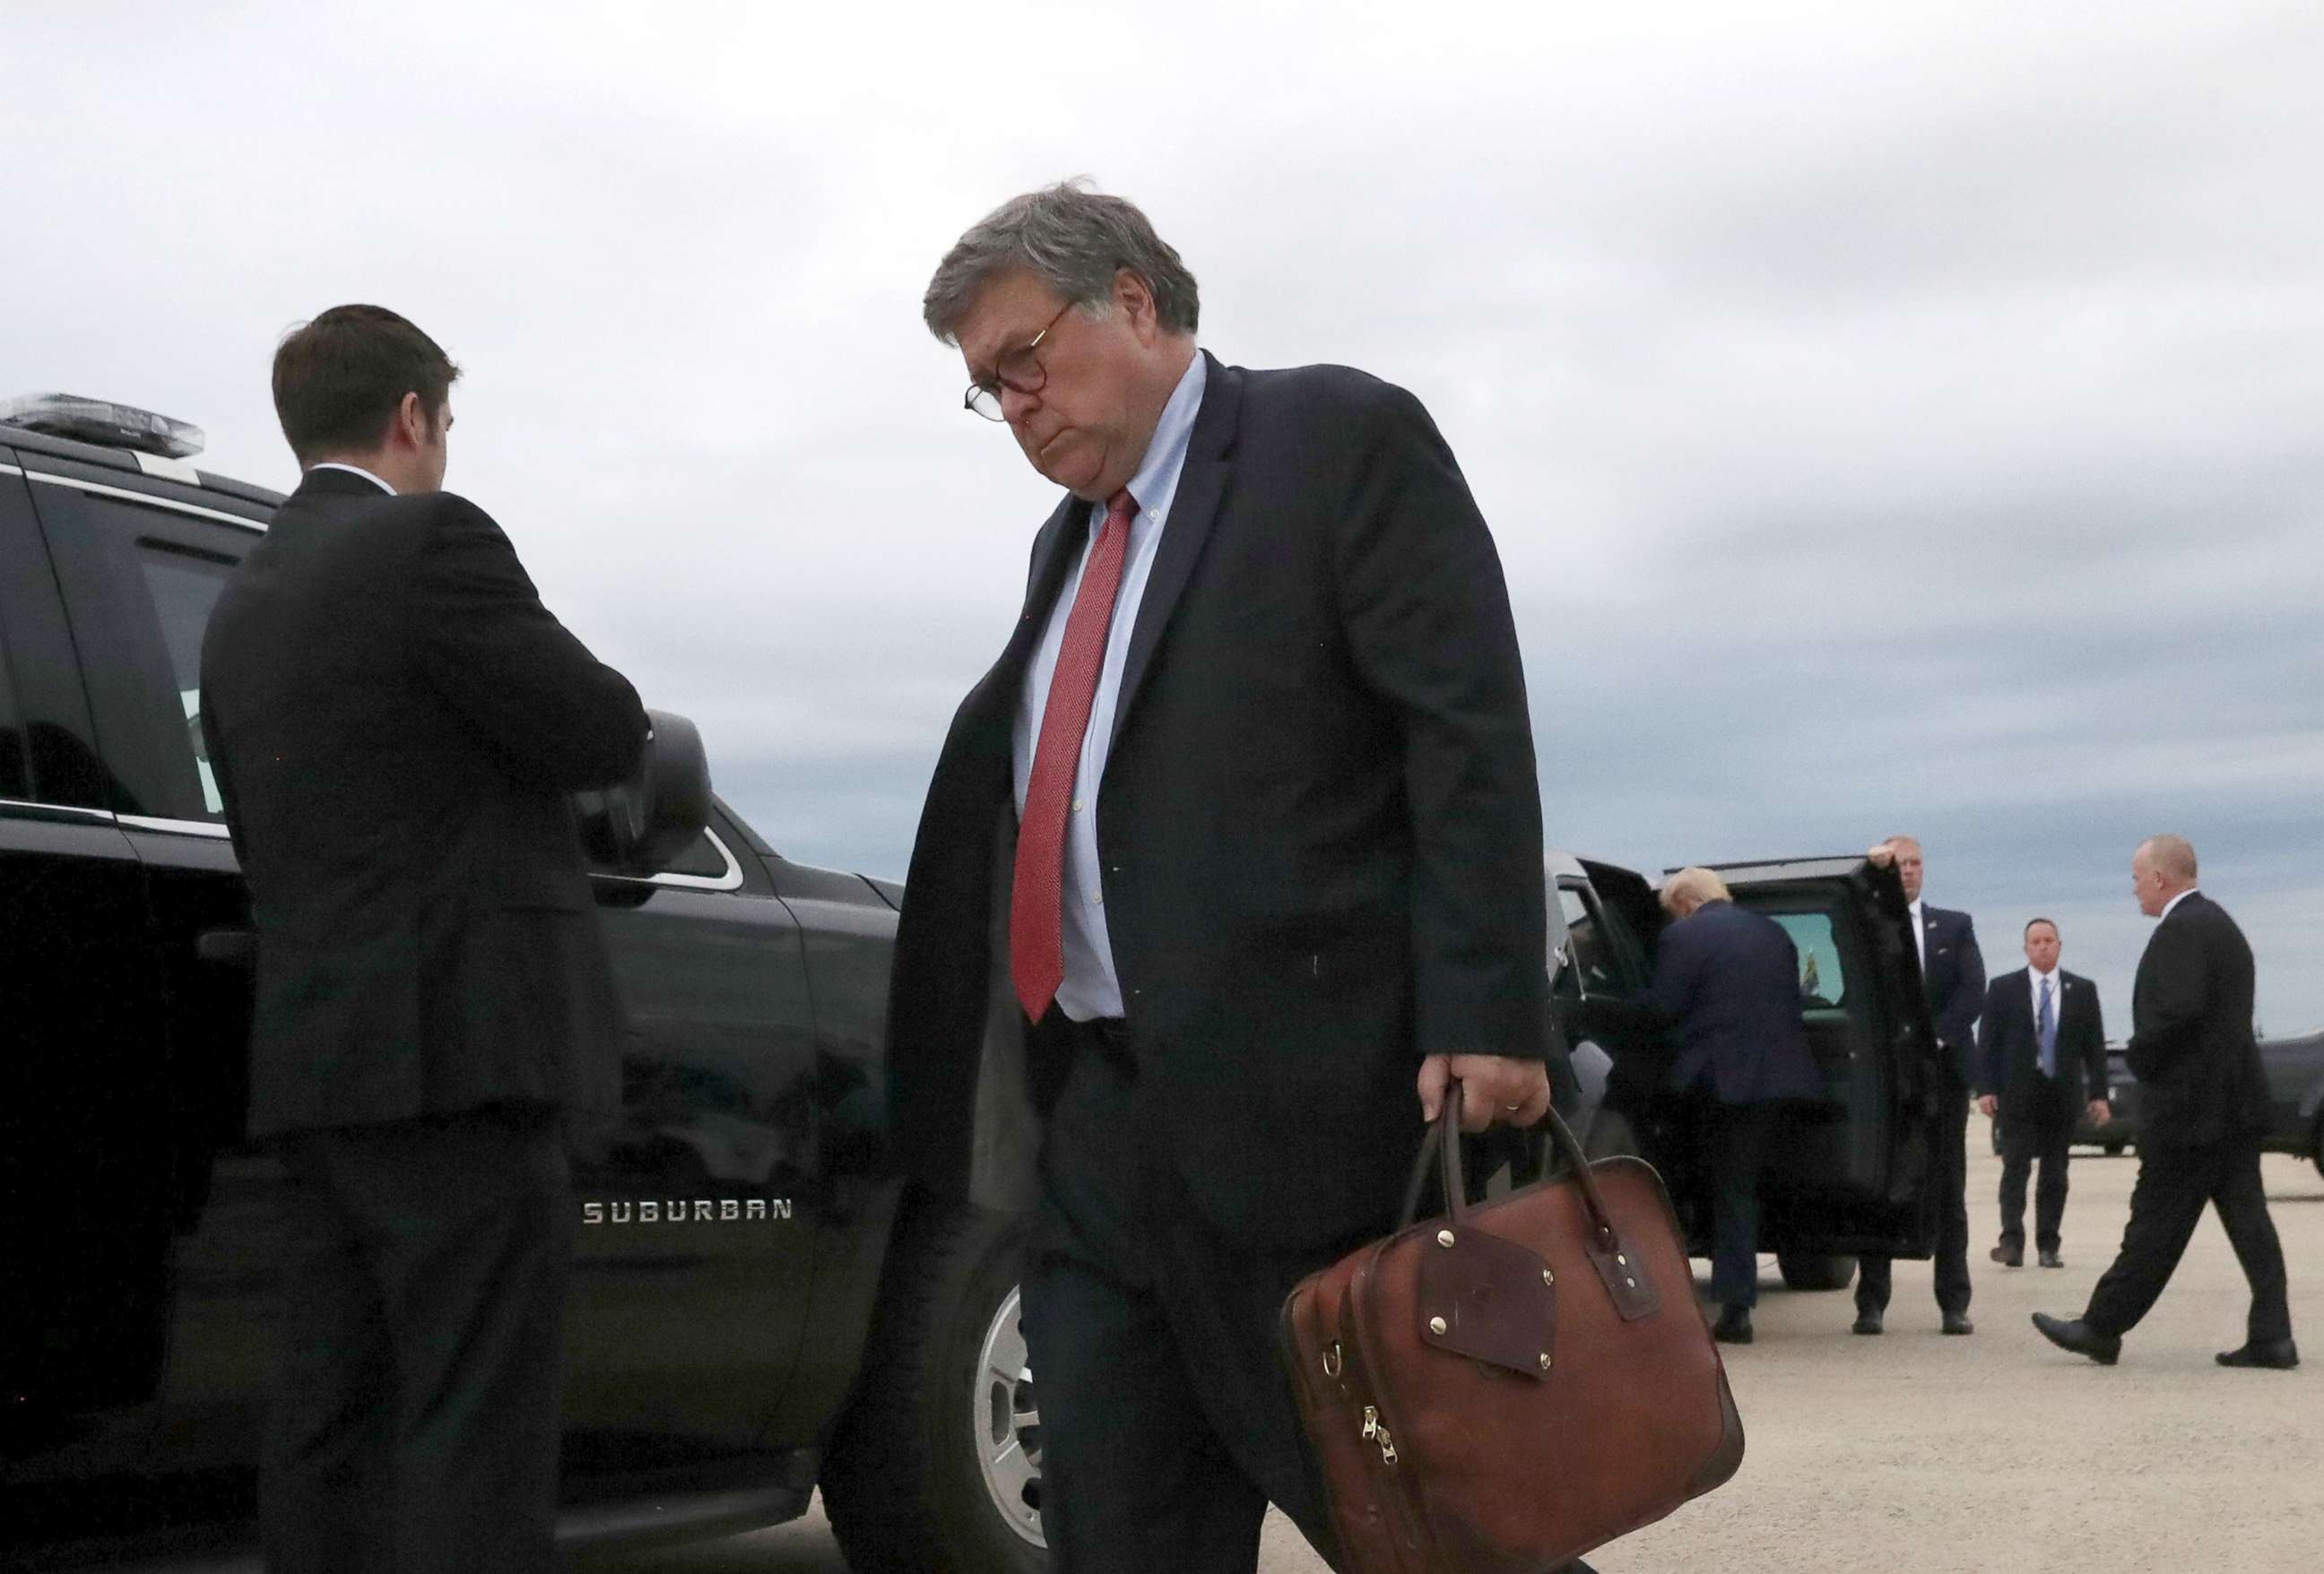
{"x":1202,"y":484}
{"x":994,"y":698}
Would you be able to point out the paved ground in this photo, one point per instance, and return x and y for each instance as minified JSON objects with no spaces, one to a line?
{"x":1917,"y":1454}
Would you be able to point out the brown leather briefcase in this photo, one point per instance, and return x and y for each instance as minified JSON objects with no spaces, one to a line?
{"x":1502,"y":1390}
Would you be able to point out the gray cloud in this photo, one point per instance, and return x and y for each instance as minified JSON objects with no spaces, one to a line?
{"x":1900,"y":418}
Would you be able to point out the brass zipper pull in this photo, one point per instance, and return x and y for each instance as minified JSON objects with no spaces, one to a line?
{"x":1375,"y":1431}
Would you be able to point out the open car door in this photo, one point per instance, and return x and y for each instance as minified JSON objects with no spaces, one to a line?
{"x":1855,"y":1175}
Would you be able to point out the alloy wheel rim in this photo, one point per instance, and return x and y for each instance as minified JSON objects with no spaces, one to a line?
{"x":1006,"y":1421}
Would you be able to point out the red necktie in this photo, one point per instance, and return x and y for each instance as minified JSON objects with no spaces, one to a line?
{"x":1037,"y":940}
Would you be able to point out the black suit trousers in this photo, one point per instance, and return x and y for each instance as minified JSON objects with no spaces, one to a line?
{"x":1950,"y":1183}
{"x":1735,"y":1139}
{"x":2038,"y":1124}
{"x":2165,"y":1206}
{"x":1168,"y":1422}
{"x":414,"y":1421}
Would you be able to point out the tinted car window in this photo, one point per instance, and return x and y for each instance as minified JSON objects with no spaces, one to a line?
{"x":1823,"y":983}
{"x":15,"y":777}
{"x":184,"y":587}
{"x":1592,"y":966}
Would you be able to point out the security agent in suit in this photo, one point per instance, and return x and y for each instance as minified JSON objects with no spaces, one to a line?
{"x":2041,"y":1065}
{"x":1242,"y":832}
{"x":1730,"y":978}
{"x":2203,"y":1105}
{"x":1953,"y":973}
{"x":394,"y":721}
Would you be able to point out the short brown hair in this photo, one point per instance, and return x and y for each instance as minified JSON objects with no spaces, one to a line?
{"x":339,"y":379}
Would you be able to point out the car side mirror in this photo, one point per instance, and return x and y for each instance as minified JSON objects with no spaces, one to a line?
{"x":640,"y":826}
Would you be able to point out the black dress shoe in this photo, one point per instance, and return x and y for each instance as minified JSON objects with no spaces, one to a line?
{"x":1734,"y":1326}
{"x":1959,"y":1323}
{"x":2008,"y":1256}
{"x":1866,"y":1322}
{"x":2079,"y":1336}
{"x":2053,"y":1260}
{"x":2279,"y":1353}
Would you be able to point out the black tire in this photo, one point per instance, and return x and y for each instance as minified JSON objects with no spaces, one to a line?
{"x":1815,"y":1273}
{"x":903,"y":1484}
{"x":2316,"y":1143}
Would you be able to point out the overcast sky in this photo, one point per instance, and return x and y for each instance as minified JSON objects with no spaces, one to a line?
{"x":1893,"y":418}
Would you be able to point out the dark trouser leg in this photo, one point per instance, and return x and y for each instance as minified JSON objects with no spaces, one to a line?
{"x":2020,"y":1140}
{"x":1135,"y":1478}
{"x":2057,"y":1137}
{"x":1738,"y":1148}
{"x":476,"y":1275}
{"x":1952,"y":1201}
{"x":1949,"y":1180}
{"x":428,"y":1422}
{"x":2242,"y":1203}
{"x":2165,"y":1205}
{"x":1872,"y":1285}
{"x":327,"y":1457}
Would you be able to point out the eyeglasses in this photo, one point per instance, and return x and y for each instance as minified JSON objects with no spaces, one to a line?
{"x":1019,"y":369}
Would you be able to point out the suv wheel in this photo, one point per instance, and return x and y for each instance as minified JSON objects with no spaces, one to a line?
{"x":937,"y":1466}
{"x":2316,"y":1143}
{"x":1802,"y":1272}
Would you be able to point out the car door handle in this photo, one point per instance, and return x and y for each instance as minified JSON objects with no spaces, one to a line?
{"x":227,"y":947}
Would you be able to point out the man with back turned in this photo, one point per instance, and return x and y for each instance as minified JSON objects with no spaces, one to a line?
{"x":2203,"y":1104}
{"x":395,"y":721}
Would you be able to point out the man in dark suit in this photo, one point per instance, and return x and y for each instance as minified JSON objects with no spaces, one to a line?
{"x":2203,"y":1104}
{"x":2041,"y":1044}
{"x":1731,"y":980}
{"x":1953,"y":973}
{"x":1246,"y":816}
{"x":394,"y":721}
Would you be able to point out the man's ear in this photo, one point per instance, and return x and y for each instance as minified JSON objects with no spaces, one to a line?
{"x":411,"y":422}
{"x":1135,"y":300}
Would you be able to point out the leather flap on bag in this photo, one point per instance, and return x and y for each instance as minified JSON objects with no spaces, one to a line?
{"x":1625,"y":1275}
{"x":1488,"y":1298}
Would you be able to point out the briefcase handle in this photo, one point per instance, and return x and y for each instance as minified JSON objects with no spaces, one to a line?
{"x":1443,"y":1144}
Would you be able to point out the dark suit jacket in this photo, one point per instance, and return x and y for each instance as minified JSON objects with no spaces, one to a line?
{"x":1730,"y":980}
{"x":2009,"y":1047}
{"x":1953,"y":974}
{"x":2191,"y":1045}
{"x":1319,"y":825}
{"x":394,"y":721}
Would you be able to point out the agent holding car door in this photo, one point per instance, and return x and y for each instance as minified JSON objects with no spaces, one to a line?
{"x":1952,"y":974}
{"x":395,"y":721}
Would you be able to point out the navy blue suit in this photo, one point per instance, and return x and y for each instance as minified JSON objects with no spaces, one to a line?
{"x":2038,"y":1113}
{"x":1952,"y":973}
{"x":1730,"y":979}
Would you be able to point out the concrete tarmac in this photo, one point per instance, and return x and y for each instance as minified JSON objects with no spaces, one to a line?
{"x":1914,"y":1453}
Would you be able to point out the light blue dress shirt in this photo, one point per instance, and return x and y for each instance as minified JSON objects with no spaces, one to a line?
{"x":1091,"y":988}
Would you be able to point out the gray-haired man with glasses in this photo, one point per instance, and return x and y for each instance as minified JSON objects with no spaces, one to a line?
{"x":1235,"y":851}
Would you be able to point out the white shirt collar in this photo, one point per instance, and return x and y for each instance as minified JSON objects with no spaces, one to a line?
{"x":2173,"y":902}
{"x":1156,"y":485}
{"x":354,"y":470}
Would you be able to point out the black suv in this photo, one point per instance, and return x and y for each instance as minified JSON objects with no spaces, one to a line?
{"x":1852,"y":1176}
{"x":742,"y":1231}
{"x":758,"y":1307}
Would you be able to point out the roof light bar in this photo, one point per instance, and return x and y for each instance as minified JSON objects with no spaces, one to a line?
{"x":97,"y":421}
